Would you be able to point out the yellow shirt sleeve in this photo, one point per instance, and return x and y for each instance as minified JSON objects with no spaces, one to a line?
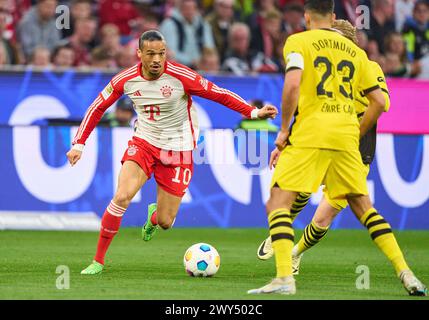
{"x":293,"y":53}
{"x":382,"y":83}
{"x":368,"y":78}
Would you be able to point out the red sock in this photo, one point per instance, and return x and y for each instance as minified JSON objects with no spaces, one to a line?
{"x":153,"y":219}
{"x":109,"y":228}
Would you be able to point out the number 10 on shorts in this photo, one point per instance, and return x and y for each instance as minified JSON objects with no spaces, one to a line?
{"x":185,"y":176}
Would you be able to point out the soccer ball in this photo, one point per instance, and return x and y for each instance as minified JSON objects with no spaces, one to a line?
{"x":201,"y":260}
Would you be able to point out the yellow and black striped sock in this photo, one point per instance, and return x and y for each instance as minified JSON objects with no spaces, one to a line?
{"x":299,"y":204}
{"x":311,"y":236}
{"x":282,"y":237}
{"x":382,"y":235}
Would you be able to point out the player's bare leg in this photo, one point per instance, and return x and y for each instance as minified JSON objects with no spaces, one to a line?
{"x":325,"y":214}
{"x":131,"y":179}
{"x":313,"y":232}
{"x":382,"y":235}
{"x":168,"y":206}
{"x":162,"y":214}
{"x":281,"y":231}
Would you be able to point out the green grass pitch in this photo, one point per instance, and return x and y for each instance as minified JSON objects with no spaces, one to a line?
{"x":154,"y":270}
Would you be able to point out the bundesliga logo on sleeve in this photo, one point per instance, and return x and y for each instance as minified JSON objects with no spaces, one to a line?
{"x":108,"y":90}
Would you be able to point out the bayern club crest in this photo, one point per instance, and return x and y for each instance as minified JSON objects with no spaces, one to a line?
{"x":166,"y":91}
{"x":132,"y":150}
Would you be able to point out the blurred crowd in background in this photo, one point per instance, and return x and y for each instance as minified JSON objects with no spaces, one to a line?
{"x":237,"y":36}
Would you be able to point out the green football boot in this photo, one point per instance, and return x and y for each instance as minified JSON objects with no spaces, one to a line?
{"x":149,"y":229}
{"x":93,"y":268}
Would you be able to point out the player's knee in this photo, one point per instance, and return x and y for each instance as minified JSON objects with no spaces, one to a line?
{"x":165,"y":223}
{"x":359,"y":204}
{"x":272,"y":205}
{"x":122,"y":199}
{"x":280,"y":199}
{"x":323,"y":222}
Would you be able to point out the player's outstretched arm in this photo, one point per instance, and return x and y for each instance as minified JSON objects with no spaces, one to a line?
{"x":209,"y":90}
{"x":89,"y":122}
{"x":112,"y":92}
{"x":236,"y":103}
{"x":197,"y":85}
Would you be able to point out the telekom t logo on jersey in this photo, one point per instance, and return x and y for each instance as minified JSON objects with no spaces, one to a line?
{"x":152,"y":111}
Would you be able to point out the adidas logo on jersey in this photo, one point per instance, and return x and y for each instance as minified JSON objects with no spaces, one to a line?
{"x":137,"y":94}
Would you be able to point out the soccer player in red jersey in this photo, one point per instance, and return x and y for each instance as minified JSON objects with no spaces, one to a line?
{"x":165,"y":135}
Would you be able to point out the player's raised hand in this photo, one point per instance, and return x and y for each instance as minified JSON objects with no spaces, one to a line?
{"x":281,"y":139}
{"x":275,"y":154}
{"x":268,"y":111}
{"x":74,"y":155}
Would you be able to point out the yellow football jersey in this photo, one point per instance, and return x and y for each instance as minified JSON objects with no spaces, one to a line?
{"x":362,"y":102}
{"x":335,"y":70}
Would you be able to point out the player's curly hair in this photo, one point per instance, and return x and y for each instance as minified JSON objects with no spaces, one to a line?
{"x":347,"y":29}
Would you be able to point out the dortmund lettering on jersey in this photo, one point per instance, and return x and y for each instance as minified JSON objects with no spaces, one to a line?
{"x":362,"y":101}
{"x":335,"y":70}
